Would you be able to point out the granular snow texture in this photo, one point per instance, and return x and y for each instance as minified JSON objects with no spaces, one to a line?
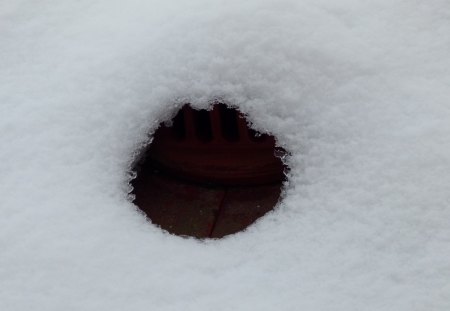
{"x":357,"y":91}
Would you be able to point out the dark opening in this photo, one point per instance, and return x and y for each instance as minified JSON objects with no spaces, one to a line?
{"x":179,"y":131}
{"x":203,"y":125}
{"x":208,"y":174}
{"x":229,"y":123}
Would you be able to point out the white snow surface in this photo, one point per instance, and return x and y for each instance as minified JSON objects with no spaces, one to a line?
{"x":357,"y":91}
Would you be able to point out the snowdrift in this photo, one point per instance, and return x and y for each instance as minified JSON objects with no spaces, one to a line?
{"x":357,"y":91}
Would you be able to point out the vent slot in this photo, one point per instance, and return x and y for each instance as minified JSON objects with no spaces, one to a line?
{"x":229,"y":123}
{"x":202,"y":125}
{"x":178,"y":128}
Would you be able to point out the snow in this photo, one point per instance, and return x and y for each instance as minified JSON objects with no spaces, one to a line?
{"x":357,"y":91}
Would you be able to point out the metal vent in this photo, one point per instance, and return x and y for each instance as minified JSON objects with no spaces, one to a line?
{"x":207,"y":174}
{"x":216,"y":147}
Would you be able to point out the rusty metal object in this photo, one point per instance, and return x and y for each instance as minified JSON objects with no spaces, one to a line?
{"x":216,"y":147}
{"x":208,"y":174}
{"x":188,"y":209}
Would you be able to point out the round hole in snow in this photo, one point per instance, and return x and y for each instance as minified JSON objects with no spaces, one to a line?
{"x":206,"y":174}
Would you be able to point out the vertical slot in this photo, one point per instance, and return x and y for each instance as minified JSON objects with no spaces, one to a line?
{"x":179,"y":127}
{"x":229,"y":122}
{"x":203,"y":127}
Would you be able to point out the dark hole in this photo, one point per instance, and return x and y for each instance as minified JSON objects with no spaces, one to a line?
{"x":228,"y":120}
{"x":192,"y":182}
{"x":179,"y":130}
{"x":203,"y":125}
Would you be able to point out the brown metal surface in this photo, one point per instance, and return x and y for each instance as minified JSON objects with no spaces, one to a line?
{"x":242,"y":206}
{"x":188,"y":209}
{"x":216,"y":147}
{"x":179,"y":207}
{"x":208,"y":174}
